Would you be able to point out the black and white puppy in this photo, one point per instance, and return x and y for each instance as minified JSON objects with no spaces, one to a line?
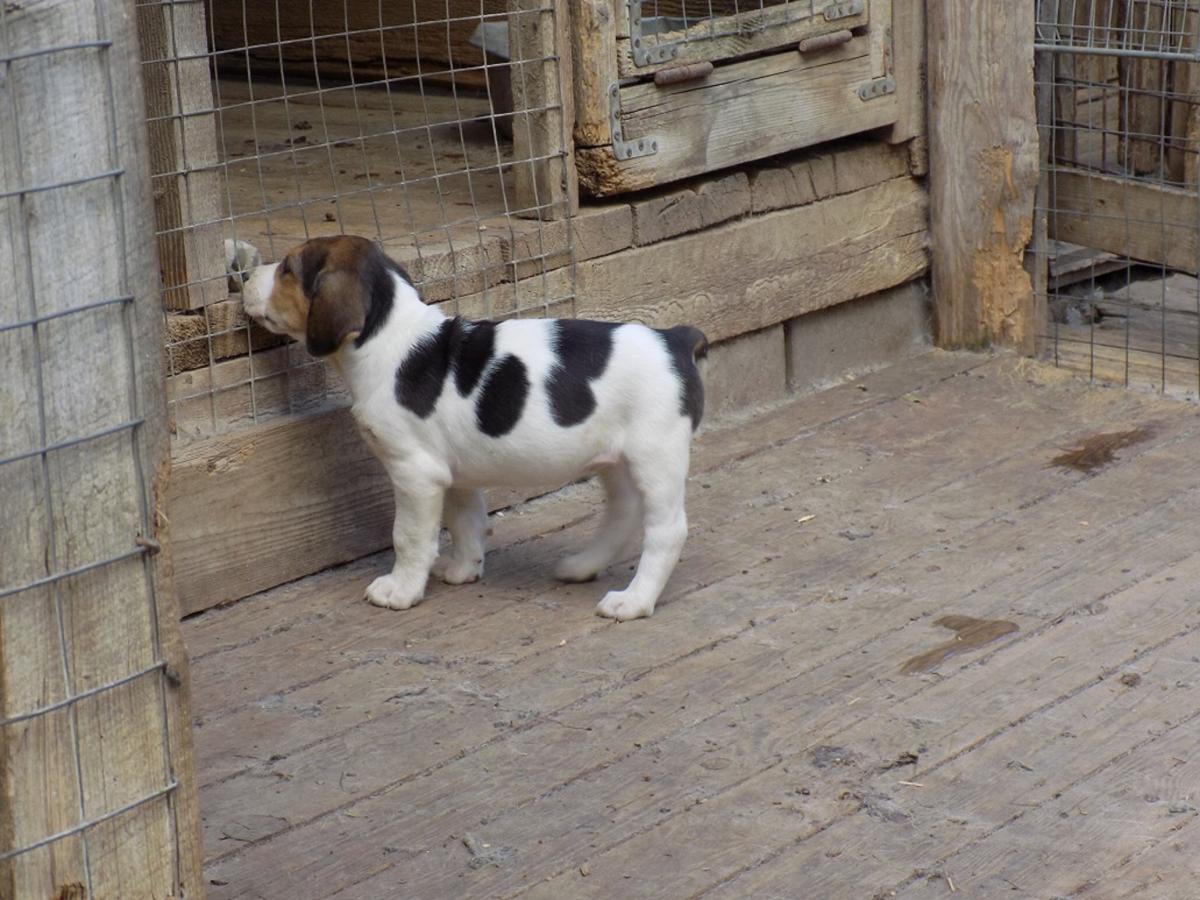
{"x":451,"y":406}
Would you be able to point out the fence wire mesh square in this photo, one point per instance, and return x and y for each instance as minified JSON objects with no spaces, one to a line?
{"x":1118,"y":86}
{"x":77,"y":503}
{"x":421,"y":124}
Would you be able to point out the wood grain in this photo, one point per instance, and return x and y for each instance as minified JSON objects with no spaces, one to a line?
{"x":71,"y":377}
{"x":983,"y":170}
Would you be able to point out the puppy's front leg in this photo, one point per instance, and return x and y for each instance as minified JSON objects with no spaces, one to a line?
{"x":414,"y":536}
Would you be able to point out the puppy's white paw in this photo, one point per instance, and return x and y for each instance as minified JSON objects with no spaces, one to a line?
{"x":577,"y":567}
{"x":394,"y":593}
{"x":623,"y":606}
{"x":458,"y":571}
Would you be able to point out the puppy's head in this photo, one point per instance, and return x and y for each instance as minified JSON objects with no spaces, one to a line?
{"x":320,"y":293}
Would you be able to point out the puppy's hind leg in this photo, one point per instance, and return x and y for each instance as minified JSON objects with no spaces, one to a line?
{"x":466,"y":517}
{"x":622,"y":512}
{"x":660,"y":474}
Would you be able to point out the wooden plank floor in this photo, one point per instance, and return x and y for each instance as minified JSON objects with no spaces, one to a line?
{"x":765,"y":734}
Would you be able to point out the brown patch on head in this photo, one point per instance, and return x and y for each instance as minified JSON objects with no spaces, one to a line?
{"x":1099,"y":449}
{"x":969,"y":634}
{"x":320,"y":291}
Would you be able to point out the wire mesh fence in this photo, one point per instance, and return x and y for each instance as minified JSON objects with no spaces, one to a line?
{"x":427,"y":125}
{"x":90,"y":780}
{"x":1119,"y":111}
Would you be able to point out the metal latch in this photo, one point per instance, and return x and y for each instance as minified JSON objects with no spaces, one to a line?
{"x":623,"y":149}
{"x":844,"y":10}
{"x":646,"y":55}
{"x":825,"y":41}
{"x":869,"y":90}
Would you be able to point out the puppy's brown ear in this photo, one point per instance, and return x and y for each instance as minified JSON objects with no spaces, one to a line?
{"x":337,"y":311}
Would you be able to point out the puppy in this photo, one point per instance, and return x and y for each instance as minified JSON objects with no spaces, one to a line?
{"x":450,"y":406}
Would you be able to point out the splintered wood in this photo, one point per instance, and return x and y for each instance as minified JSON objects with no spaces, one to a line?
{"x":754,"y":735}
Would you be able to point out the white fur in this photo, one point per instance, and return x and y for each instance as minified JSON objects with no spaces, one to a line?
{"x":636,"y":439}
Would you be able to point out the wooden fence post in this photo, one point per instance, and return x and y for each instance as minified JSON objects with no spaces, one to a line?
{"x":97,"y":789}
{"x":983,"y":170}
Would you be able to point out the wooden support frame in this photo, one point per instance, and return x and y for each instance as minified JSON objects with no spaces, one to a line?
{"x":97,"y":779}
{"x":763,"y":96}
{"x":184,"y":156}
{"x":983,"y":175}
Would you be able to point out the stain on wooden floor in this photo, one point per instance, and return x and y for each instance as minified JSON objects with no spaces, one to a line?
{"x":756,"y":737}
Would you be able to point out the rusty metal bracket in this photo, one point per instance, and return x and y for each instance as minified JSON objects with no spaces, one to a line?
{"x":879,"y":87}
{"x":645,"y":54}
{"x":844,"y":10}
{"x":623,"y":149}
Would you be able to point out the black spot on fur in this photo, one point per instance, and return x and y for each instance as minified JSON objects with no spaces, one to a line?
{"x":472,"y":355}
{"x":420,"y":376}
{"x":502,"y":397}
{"x":583,"y":349}
{"x":687,"y":345}
{"x":381,"y":292}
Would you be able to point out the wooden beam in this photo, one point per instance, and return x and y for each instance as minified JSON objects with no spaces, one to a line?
{"x":908,"y":66}
{"x":983,"y":170}
{"x":173,"y":38}
{"x":788,"y":263}
{"x":113,"y":627}
{"x":1153,"y":223}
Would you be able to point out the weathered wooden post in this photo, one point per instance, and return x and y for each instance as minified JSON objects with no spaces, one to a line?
{"x":97,"y":790}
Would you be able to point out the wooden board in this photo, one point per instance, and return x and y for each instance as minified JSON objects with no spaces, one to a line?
{"x":741,"y":112}
{"x":184,"y":153}
{"x":1153,"y":223}
{"x":753,"y":735}
{"x":983,"y":174}
{"x":96,"y":737}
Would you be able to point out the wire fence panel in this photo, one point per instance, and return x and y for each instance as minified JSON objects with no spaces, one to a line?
{"x":1119,"y":89}
{"x":95,"y":766}
{"x":656,"y":34}
{"x":434,"y":127}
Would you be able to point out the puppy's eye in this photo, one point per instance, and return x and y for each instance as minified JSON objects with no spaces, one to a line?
{"x":285,"y":266}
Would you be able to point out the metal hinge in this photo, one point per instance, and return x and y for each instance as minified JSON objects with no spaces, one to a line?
{"x":644,"y":54}
{"x":844,"y":10}
{"x":623,"y":149}
{"x":869,"y":90}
